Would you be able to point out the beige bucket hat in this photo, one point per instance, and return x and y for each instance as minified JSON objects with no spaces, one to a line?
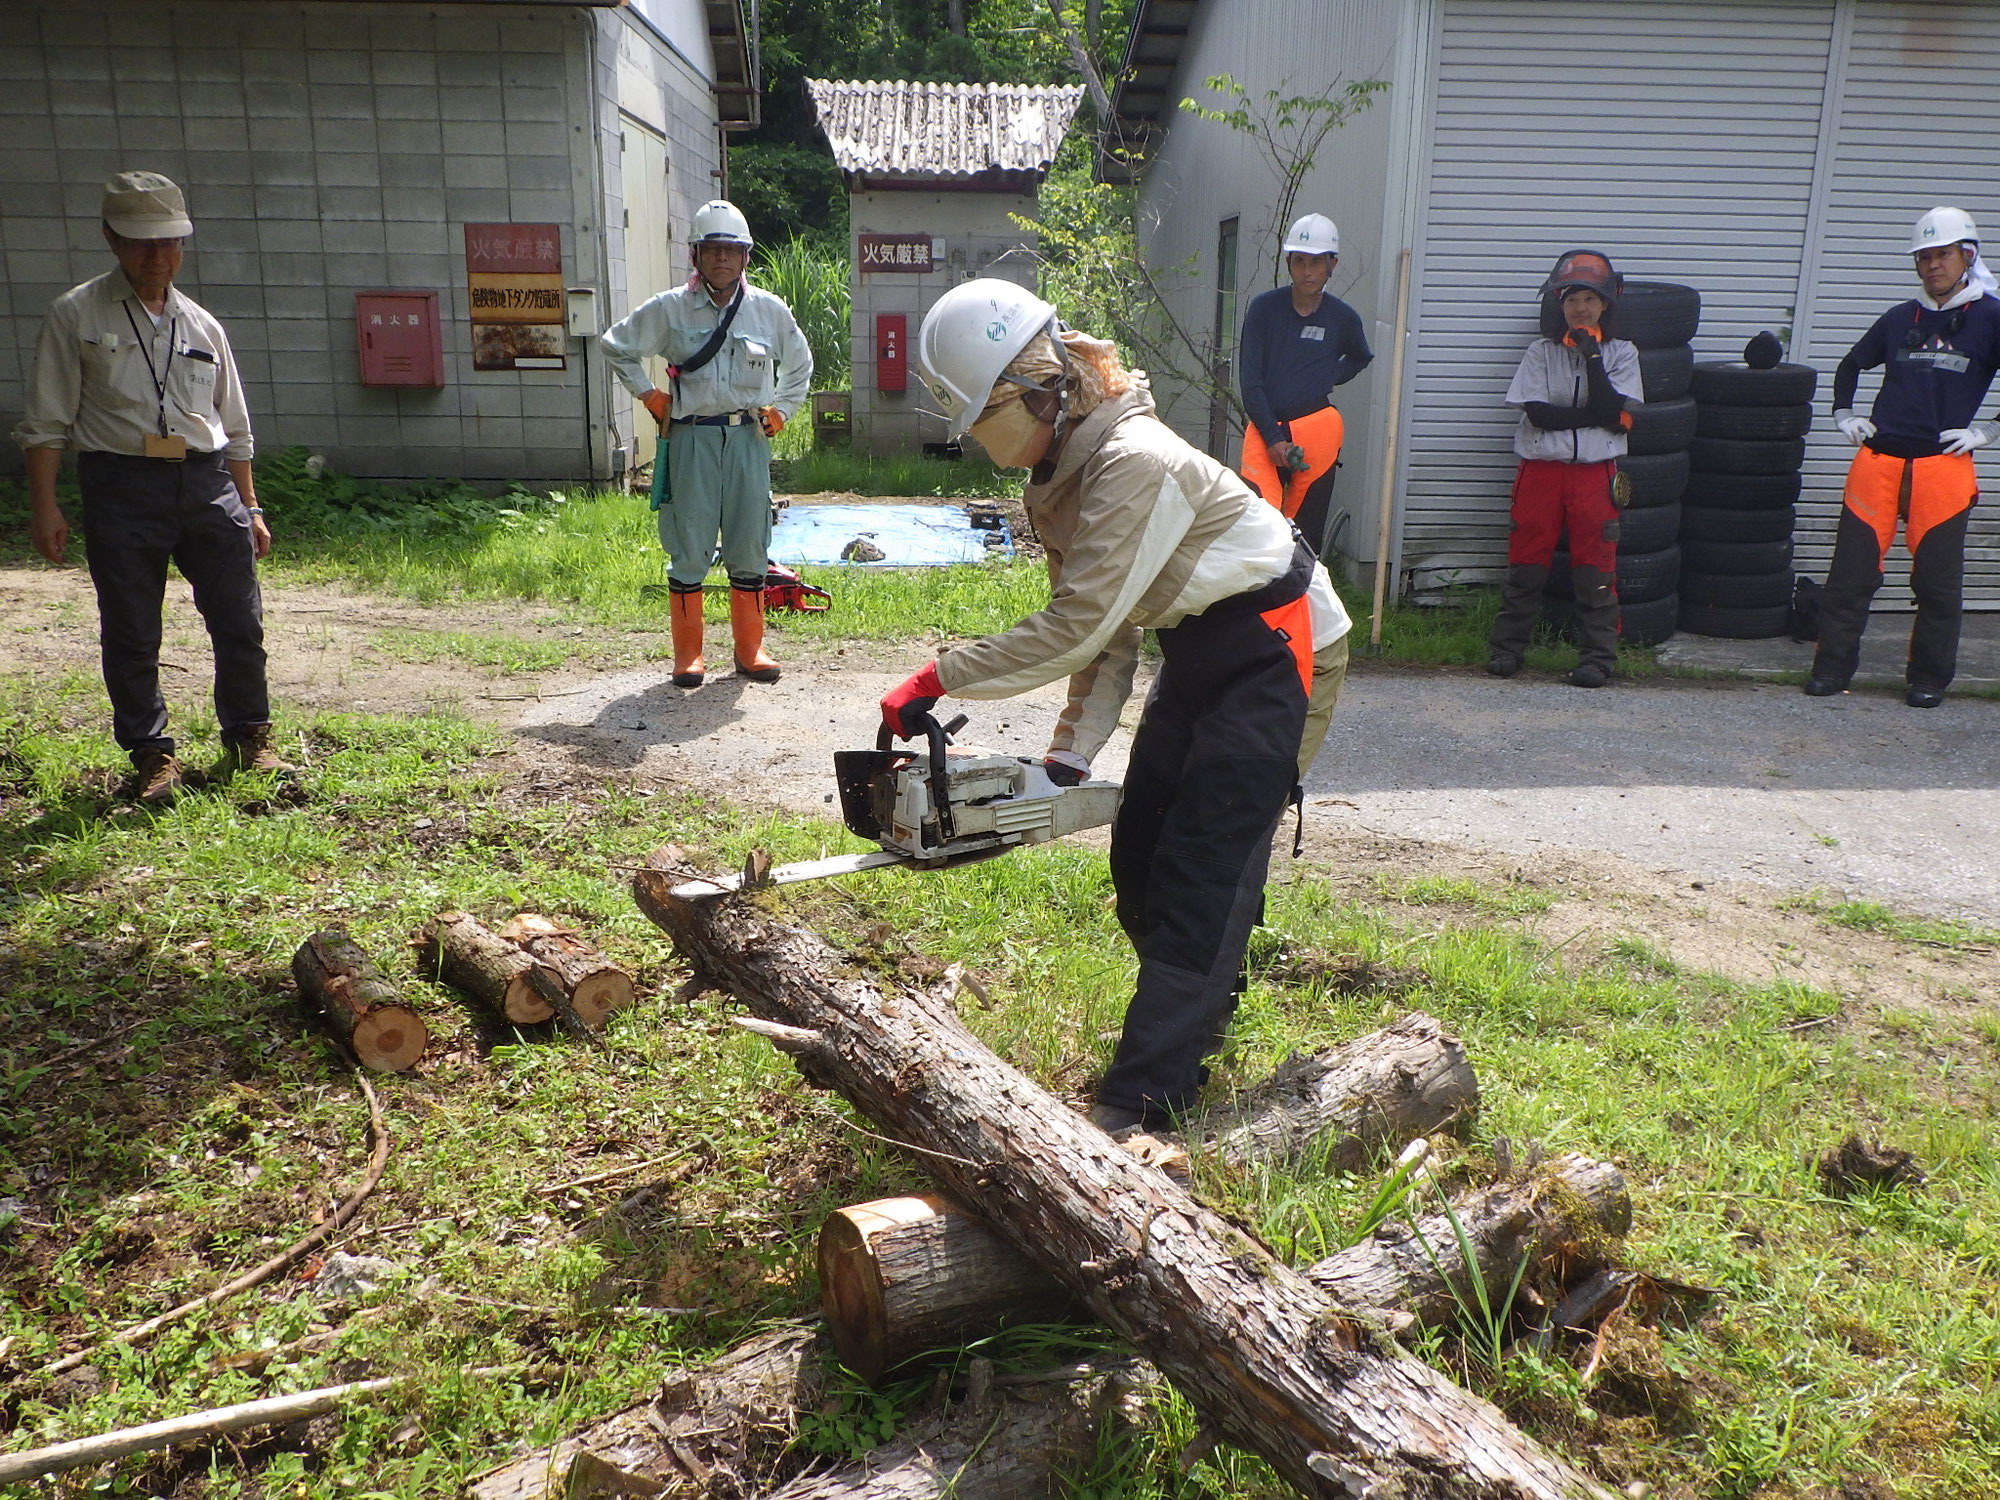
{"x":146,"y":206}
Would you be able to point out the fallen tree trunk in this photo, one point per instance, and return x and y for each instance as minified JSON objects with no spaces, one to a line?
{"x":361,"y":1006}
{"x":717,"y":1429}
{"x":597,"y":988}
{"x":1332,"y":1403}
{"x":902,"y":1276}
{"x":468,"y":956}
{"x":1346,"y":1104}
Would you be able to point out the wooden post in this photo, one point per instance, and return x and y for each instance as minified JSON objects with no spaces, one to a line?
{"x":1277,"y":1367}
{"x":1392,"y":430}
{"x":361,"y":1006}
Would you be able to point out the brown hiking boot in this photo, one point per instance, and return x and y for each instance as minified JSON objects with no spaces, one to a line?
{"x":157,"y":778}
{"x":251,"y":750}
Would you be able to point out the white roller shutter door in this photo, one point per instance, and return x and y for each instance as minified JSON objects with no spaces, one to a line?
{"x":1917,"y":122}
{"x":1679,"y":138}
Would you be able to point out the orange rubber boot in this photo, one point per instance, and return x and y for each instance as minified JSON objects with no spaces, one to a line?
{"x":688,"y":672}
{"x":746,"y":624}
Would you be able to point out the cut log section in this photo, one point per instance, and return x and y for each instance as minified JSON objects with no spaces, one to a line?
{"x":903,"y":1276}
{"x":718,"y":1429}
{"x":597,"y":988}
{"x":1344,"y":1105}
{"x":469,"y":956}
{"x":361,"y":1006}
{"x":1274,"y":1364}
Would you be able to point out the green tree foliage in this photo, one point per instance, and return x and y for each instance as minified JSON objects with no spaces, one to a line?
{"x":812,"y":278}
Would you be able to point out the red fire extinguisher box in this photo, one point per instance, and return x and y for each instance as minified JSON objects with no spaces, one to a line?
{"x":399,"y":338}
{"x":892,"y":333}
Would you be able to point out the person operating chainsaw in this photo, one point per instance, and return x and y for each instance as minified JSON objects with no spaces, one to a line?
{"x":1142,"y":531}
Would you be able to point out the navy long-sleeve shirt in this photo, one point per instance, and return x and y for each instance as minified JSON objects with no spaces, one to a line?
{"x":1287,"y":364}
{"x":1939,"y":366}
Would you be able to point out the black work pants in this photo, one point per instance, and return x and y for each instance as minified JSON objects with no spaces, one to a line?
{"x":1212,"y":769}
{"x":139,"y":514}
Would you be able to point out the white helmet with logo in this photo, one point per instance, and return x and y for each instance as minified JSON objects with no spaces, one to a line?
{"x":1315,"y":234}
{"x":720,"y":222}
{"x":970,"y":335}
{"x":1944,"y":226}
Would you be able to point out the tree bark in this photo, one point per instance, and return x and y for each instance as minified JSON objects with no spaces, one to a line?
{"x":718,"y":1429}
{"x":597,"y":988}
{"x":469,"y":956}
{"x":903,"y":1276}
{"x":361,"y":1006}
{"x":1326,"y":1397}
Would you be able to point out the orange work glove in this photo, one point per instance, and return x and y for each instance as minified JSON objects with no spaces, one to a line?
{"x":773,"y":420}
{"x":659,"y":403}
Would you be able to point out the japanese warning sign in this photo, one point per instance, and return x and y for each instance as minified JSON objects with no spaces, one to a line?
{"x":513,"y":277}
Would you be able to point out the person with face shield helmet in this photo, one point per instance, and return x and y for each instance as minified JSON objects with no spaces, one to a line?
{"x":1142,"y":531}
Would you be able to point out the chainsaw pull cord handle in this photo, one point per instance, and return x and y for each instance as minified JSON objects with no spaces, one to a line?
{"x":938,"y":735}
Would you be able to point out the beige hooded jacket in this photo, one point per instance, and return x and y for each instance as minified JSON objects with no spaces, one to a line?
{"x":1142,"y":531}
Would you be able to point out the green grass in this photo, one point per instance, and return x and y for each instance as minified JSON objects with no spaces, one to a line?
{"x":1870,"y":916}
{"x":1851,"y":1338}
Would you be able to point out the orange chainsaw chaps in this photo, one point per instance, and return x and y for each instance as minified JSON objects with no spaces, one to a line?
{"x":1319,"y":433}
{"x":1293,"y":623}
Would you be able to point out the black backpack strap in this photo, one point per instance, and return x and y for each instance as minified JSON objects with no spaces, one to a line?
{"x":713,"y":346}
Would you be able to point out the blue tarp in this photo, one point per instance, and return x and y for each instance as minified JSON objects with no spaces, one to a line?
{"x":908,"y":536}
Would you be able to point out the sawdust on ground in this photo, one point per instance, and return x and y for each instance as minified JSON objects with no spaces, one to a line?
{"x":769,"y":746}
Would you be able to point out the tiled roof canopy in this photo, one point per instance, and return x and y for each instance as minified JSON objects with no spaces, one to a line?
{"x":943,"y":129}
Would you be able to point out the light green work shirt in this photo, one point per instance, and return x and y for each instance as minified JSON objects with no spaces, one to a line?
{"x":764,"y":362}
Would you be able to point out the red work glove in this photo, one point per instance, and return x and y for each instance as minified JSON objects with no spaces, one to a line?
{"x":905,"y":704}
{"x":773,"y":420}
{"x":659,"y":403}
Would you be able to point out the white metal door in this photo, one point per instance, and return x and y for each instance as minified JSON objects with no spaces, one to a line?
{"x":649,"y":261}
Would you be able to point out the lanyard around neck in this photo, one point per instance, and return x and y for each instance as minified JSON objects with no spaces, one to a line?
{"x":158,"y":377}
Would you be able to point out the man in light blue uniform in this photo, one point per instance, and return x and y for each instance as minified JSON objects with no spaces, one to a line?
{"x":738,"y":369}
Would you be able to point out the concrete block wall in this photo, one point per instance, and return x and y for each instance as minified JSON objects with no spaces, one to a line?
{"x":325,"y":149}
{"x":980,"y":239}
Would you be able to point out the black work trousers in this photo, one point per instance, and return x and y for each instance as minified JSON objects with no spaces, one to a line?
{"x":1212,"y":769}
{"x":139,"y":514}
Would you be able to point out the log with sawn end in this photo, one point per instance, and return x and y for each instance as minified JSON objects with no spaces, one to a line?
{"x":467,"y":955}
{"x":901,"y":1277}
{"x":361,"y":1006}
{"x":597,"y":988}
{"x":1327,"y":1398}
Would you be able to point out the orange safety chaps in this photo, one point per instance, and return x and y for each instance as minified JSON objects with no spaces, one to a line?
{"x":1320,"y":434}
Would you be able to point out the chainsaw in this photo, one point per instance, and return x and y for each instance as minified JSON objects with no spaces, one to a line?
{"x":933,"y":808}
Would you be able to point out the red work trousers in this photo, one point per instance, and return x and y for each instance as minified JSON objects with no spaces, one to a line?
{"x":1549,"y":496}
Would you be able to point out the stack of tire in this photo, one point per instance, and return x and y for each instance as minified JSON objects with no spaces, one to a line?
{"x":1660,"y":318}
{"x":1751,"y":421}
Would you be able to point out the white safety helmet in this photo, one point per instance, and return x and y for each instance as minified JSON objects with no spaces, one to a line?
{"x":1315,"y":234}
{"x":1944,"y":226}
{"x":970,"y":335}
{"x":720,"y":222}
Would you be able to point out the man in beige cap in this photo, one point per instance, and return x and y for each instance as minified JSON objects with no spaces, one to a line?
{"x":139,"y":381}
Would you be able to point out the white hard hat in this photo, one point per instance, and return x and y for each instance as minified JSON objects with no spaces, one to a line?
{"x":720,"y":222}
{"x":1943,"y":226}
{"x":969,"y":336}
{"x":1315,"y":234}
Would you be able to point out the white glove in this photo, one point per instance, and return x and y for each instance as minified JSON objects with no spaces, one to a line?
{"x":1959,"y":440}
{"x":1857,"y":430}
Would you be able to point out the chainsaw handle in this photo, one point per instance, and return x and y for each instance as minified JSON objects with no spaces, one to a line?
{"x":938,"y":735}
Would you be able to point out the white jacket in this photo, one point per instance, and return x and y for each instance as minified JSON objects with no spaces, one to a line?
{"x":1553,"y":373}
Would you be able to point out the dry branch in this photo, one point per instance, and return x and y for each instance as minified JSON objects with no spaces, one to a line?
{"x":1269,"y":1359}
{"x":361,"y":1006}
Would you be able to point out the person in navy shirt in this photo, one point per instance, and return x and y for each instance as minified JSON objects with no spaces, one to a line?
{"x":1937,"y":353}
{"x":1298,"y":343}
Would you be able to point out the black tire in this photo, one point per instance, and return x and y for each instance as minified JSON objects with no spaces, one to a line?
{"x":1649,"y":528}
{"x":1736,"y":624}
{"x":1646,"y":576}
{"x":1654,"y":478}
{"x":1649,"y":622}
{"x":1733,"y":383}
{"x":1715,"y":455}
{"x":1737,"y":590}
{"x":1743,"y":491}
{"x":1705,"y":523}
{"x":1736,"y":558}
{"x":1660,"y":426}
{"x":1655,"y":314}
{"x":1664,"y":373}
{"x":1763,"y":423}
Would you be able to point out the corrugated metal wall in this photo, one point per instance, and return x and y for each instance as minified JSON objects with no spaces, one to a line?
{"x":1915,"y":128}
{"x":1678,"y":138}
